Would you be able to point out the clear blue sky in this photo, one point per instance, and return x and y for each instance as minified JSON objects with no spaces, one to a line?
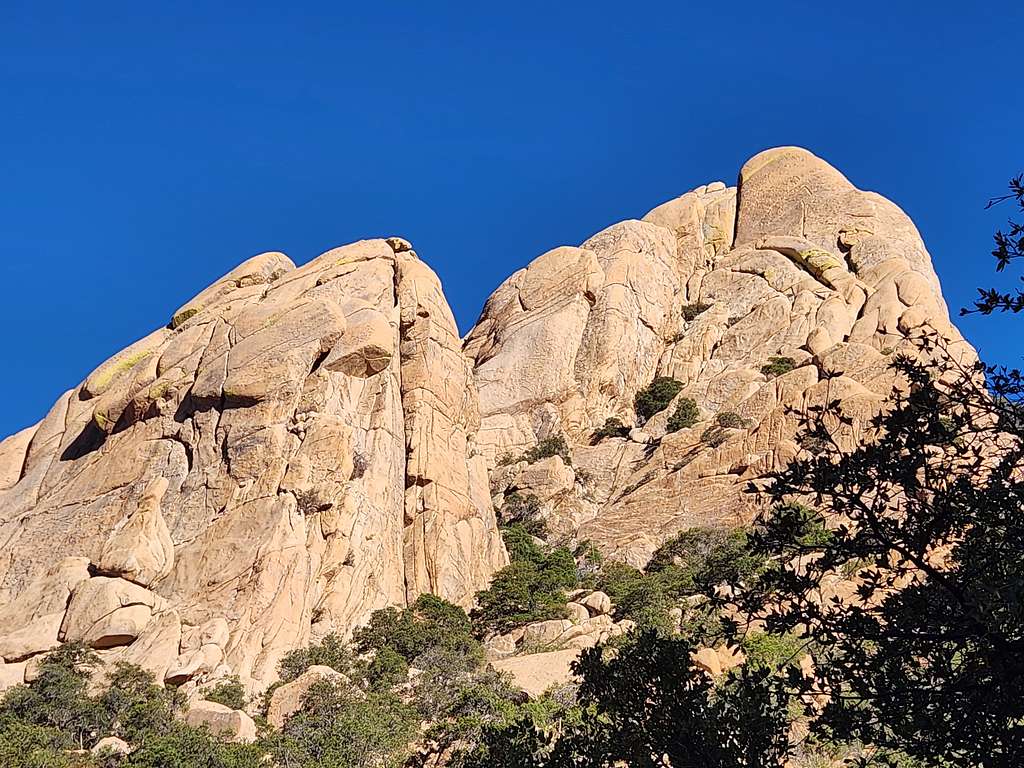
{"x":149,"y":147}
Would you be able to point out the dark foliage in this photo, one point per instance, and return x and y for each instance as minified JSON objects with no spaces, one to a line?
{"x":690,"y":311}
{"x":935,"y":667}
{"x":228,"y":692}
{"x":339,"y":727}
{"x":684,"y":416}
{"x":1009,"y":246}
{"x":730,"y":420}
{"x":531,"y":588}
{"x":42,"y":722}
{"x":431,"y":623}
{"x":549,"y":446}
{"x":648,"y":703}
{"x":777,"y":365}
{"x":524,"y":511}
{"x":612,"y":427}
{"x":656,"y":396}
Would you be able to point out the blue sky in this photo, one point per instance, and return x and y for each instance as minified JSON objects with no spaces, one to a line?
{"x":149,"y":147}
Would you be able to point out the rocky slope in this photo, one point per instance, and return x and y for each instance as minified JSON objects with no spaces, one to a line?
{"x":294,"y":450}
{"x":794,"y":263}
{"x":301,"y":446}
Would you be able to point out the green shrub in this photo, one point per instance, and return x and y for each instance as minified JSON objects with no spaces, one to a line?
{"x":714,"y":436}
{"x":647,"y":603}
{"x":698,"y":559}
{"x":613,"y":427}
{"x":185,"y":747}
{"x":684,"y":416}
{"x":554,"y":445}
{"x":531,"y":588}
{"x":549,"y":446}
{"x":776,"y":366}
{"x":329,"y":652}
{"x":772,"y":652}
{"x":730,"y":420}
{"x":690,"y":311}
{"x":507,"y":458}
{"x":388,"y":669}
{"x":228,"y":692}
{"x":24,"y":745}
{"x":40,"y":722}
{"x":340,"y":728}
{"x":656,"y":396}
{"x":524,"y":511}
{"x":796,"y":527}
{"x":430,"y":623}
{"x":521,"y":544}
{"x":58,"y":698}
{"x":134,"y":707}
{"x":589,"y":561}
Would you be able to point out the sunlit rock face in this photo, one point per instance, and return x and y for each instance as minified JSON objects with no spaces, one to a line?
{"x":298,"y":447}
{"x":794,"y":262}
{"x":293,"y":451}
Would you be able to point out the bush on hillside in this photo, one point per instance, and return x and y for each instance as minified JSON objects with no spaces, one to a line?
{"x":228,"y":692}
{"x":549,"y":446}
{"x":690,"y":311}
{"x":430,"y":623}
{"x":330,"y":652}
{"x":698,"y":559}
{"x":612,"y":427}
{"x":684,"y":416}
{"x":524,"y":511}
{"x":730,"y":420}
{"x":776,"y":366}
{"x":531,"y":588}
{"x":338,"y":727}
{"x":656,"y":396}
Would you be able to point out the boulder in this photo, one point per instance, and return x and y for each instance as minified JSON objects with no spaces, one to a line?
{"x":537,"y":672}
{"x":140,"y":548}
{"x":545,"y":479}
{"x":577,"y":613}
{"x":11,"y":675}
{"x":230,"y":724}
{"x":30,"y":623}
{"x":545,"y":632}
{"x":111,"y":745}
{"x":597,"y":603}
{"x":106,"y":612}
{"x":287,"y":699}
{"x":717,"y":661}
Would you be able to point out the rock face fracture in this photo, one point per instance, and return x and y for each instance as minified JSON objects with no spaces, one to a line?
{"x":299,"y":447}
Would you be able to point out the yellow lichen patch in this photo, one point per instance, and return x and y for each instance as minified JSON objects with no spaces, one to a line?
{"x":179,"y":319}
{"x":158,"y":390}
{"x":102,"y":379}
{"x":819,"y":260}
{"x":102,"y":421}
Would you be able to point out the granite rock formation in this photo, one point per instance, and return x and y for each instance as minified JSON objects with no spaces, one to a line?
{"x":294,"y":450}
{"x":298,"y":447}
{"x":791,"y":290}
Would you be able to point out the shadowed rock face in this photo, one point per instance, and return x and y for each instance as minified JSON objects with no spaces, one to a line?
{"x":795,"y":262}
{"x":294,"y":451}
{"x":301,"y":446}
